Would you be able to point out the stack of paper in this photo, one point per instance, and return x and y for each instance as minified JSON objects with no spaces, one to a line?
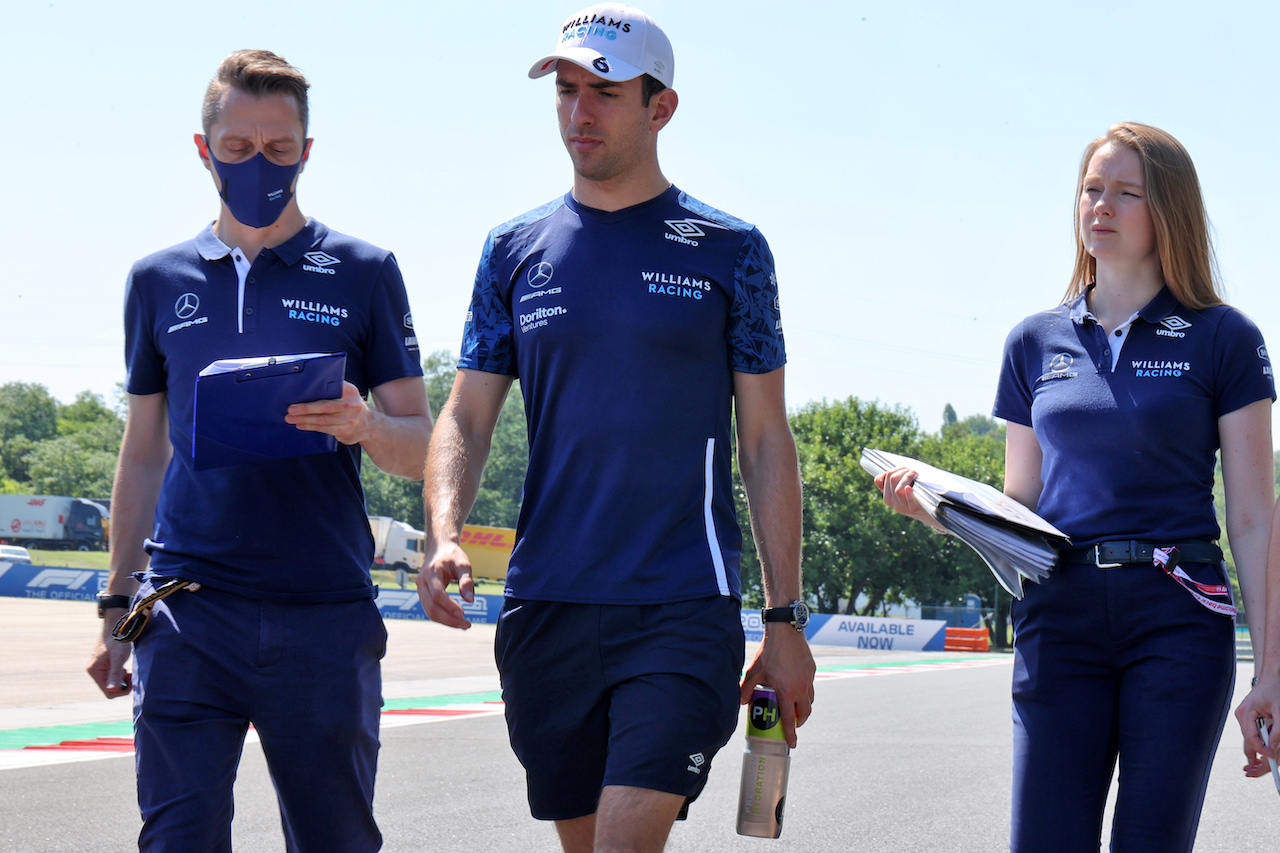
{"x":1013,"y":541}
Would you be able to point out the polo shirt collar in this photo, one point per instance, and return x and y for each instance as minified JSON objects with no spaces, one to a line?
{"x":292,"y":250}
{"x":211,"y":248}
{"x":1078,"y":308}
{"x":1161,"y":306}
{"x":1153,"y":312}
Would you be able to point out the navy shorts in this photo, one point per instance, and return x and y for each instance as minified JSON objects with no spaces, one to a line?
{"x":607,"y":694}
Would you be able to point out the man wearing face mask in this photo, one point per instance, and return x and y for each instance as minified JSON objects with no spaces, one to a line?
{"x":277,"y":627}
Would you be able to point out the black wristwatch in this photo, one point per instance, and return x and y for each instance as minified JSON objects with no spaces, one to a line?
{"x":796,"y":613}
{"x":106,"y":601}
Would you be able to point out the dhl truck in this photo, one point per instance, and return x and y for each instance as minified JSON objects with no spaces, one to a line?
{"x":399,"y":546}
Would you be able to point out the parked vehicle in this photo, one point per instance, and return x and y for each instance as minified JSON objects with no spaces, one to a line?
{"x":14,"y":554}
{"x":398,"y":546}
{"x":53,"y":522}
{"x":489,"y":549}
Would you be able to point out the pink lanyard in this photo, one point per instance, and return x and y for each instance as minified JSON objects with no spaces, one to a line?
{"x":1205,"y":593}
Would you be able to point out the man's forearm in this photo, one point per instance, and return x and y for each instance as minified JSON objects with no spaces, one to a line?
{"x":144,"y":457}
{"x":771,"y":478}
{"x":455,"y":464}
{"x":398,"y":445}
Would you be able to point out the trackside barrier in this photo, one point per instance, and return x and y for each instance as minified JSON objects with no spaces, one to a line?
{"x":21,"y":580}
{"x":864,"y":632}
{"x":967,"y":640}
{"x":404,"y":604}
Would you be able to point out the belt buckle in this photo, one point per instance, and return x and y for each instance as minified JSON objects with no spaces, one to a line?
{"x":1097,"y":559}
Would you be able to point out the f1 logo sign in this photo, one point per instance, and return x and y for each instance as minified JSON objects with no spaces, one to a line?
{"x":396,"y":599}
{"x":68,"y":578}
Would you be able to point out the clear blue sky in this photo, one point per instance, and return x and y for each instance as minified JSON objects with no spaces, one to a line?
{"x":911,"y":164}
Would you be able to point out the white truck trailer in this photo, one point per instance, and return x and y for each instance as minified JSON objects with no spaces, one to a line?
{"x":53,"y":522}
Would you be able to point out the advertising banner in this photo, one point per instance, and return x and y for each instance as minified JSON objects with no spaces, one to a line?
{"x":404,"y":604}
{"x":863,"y":632}
{"x":23,"y":580}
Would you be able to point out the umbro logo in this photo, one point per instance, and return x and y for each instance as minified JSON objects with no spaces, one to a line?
{"x":1173,"y":326}
{"x":683,"y":231}
{"x":698,"y":760}
{"x":320,"y":262}
{"x":686,"y":228}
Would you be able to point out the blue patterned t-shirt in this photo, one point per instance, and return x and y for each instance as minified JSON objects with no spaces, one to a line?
{"x":624,"y":329}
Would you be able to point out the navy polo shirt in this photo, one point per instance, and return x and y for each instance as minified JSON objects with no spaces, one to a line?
{"x":625,"y":329}
{"x":290,"y":529}
{"x":1129,"y":451}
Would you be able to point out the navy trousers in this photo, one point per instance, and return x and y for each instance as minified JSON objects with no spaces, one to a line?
{"x":307,"y":676}
{"x":1116,"y":665}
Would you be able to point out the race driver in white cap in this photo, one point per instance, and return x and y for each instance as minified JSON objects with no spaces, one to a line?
{"x":643,"y":326}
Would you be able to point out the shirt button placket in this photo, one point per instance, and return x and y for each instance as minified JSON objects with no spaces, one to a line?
{"x":250,"y":304}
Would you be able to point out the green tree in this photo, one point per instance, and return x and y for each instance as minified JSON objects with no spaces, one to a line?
{"x":856,"y":546}
{"x":69,"y":466}
{"x":498,"y":500}
{"x":853,"y":543}
{"x":88,"y":410}
{"x":28,"y":415}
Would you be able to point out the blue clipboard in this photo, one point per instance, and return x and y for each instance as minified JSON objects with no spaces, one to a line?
{"x":240,"y":406}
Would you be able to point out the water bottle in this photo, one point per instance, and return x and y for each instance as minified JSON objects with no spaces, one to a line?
{"x":766,"y":764}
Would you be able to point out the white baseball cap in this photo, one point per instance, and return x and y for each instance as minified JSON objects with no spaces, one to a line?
{"x":613,"y":41}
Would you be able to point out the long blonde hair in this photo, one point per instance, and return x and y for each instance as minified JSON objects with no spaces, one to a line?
{"x":1181,"y":224}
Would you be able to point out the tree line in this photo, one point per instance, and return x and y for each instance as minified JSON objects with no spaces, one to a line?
{"x":859,"y":557}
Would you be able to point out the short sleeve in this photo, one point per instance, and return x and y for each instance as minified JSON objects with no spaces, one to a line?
{"x":488,"y":336}
{"x":1014,"y":391}
{"x":392,"y":349}
{"x":1242,"y":368}
{"x":755,"y":319}
{"x":143,"y":362}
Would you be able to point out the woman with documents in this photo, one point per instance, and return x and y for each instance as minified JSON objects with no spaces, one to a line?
{"x":1116,"y":402}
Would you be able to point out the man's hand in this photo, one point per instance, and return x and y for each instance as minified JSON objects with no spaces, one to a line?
{"x":784,"y":663}
{"x":347,"y":419}
{"x":106,"y":666}
{"x":447,"y":564}
{"x":1262,"y":701}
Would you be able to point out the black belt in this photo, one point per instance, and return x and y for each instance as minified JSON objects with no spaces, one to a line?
{"x":1108,"y":555}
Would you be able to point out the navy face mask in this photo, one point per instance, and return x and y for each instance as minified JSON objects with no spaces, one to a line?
{"x":257,"y":190}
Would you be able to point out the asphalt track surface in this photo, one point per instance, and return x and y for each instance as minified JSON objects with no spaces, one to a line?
{"x":899,"y":756}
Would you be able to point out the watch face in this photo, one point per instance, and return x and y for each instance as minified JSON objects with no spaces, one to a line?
{"x":801,"y":615}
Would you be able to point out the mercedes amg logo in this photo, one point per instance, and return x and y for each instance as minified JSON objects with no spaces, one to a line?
{"x":540,"y":274}
{"x":187,"y":304}
{"x":1060,"y":362}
